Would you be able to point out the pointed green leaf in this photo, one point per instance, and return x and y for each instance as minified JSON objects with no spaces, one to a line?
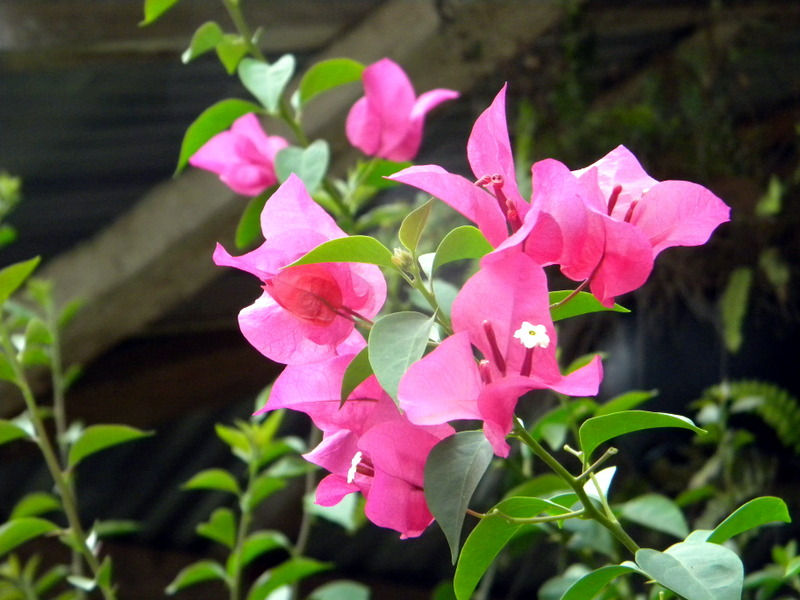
{"x":592,"y":583}
{"x":341,"y":590}
{"x":326,"y":75}
{"x":35,"y":504}
{"x":287,"y":573}
{"x":267,"y":82}
{"x":10,"y":431}
{"x":213,"y":479}
{"x":310,"y":164}
{"x":99,"y":437}
{"x":16,"y":532}
{"x":13,"y":276}
{"x":356,"y":373}
{"x":236,"y":440}
{"x":733,"y":305}
{"x":261,"y":542}
{"x":695,"y":570}
{"x":213,"y":120}
{"x":203,"y":570}
{"x":354,"y":248}
{"x":625,"y":401}
{"x":262,"y":488}
{"x":755,"y":513}
{"x":581,"y":304}
{"x":8,"y":374}
{"x":220,"y":527}
{"x":461,"y":243}
{"x":396,"y":341}
{"x":230,"y":51}
{"x":597,"y":430}
{"x":248,"y":231}
{"x":453,"y":470}
{"x":206,"y":38}
{"x":491,"y":535}
{"x":656,"y":512}
{"x":153,"y":9}
{"x":413,"y":225}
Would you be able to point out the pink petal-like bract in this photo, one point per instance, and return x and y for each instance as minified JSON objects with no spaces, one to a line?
{"x":388,"y":121}
{"x":243,"y":156}
{"x":305,"y":312}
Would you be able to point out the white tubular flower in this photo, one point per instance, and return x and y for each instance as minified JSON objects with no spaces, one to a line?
{"x":532,"y":336}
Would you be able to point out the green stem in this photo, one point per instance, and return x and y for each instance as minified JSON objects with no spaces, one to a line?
{"x":607,"y":521}
{"x":65,"y":490}
{"x":237,"y":17}
{"x":245,"y":520}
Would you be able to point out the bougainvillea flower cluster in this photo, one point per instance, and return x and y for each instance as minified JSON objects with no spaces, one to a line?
{"x":602,"y":226}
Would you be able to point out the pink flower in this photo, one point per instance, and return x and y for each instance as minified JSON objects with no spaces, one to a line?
{"x":368,"y":446}
{"x":387,"y":121}
{"x":243,"y":157}
{"x":492,"y":201}
{"x":502,"y":311}
{"x":615,"y":219}
{"x":306,"y":313}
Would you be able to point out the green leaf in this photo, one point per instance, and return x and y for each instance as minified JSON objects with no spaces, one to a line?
{"x":221,"y":527}
{"x":16,"y":532}
{"x":597,"y":430}
{"x":733,"y":306}
{"x":396,"y":341}
{"x":153,"y":9}
{"x":695,"y":570}
{"x":213,"y":479}
{"x":378,"y":169}
{"x":287,"y":573}
{"x":590,"y":584}
{"x":267,"y":82}
{"x":355,"y":374}
{"x":35,"y":504}
{"x":625,"y":401}
{"x":461,"y":243}
{"x":215,"y":119}
{"x":10,"y":431}
{"x":248,"y":231}
{"x":770,"y":204}
{"x":261,"y":542}
{"x":341,"y":590}
{"x":206,"y":38}
{"x":491,"y":535}
{"x":755,"y":513}
{"x":310,"y":164}
{"x":230,"y":51}
{"x":203,"y":570}
{"x":236,"y":440}
{"x":262,"y":488}
{"x":453,"y":470}
{"x":13,"y":276}
{"x":413,"y":225}
{"x":326,"y":75}
{"x":581,"y":304}
{"x":354,"y":248}
{"x":99,"y":437}
{"x":7,"y":373}
{"x":656,"y":512}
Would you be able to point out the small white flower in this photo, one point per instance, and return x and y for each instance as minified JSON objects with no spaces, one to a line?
{"x":532,"y":336}
{"x":351,"y":474}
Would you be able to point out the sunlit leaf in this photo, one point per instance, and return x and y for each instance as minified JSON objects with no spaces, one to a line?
{"x":356,"y":373}
{"x":597,"y":430}
{"x":203,"y":570}
{"x":755,"y":513}
{"x":205,"y":38}
{"x":213,"y":479}
{"x":15,"y":532}
{"x":626,"y":401}
{"x":287,"y":573}
{"x":13,"y":276}
{"x":35,"y":504}
{"x":220,"y":527}
{"x":580,"y":304}
{"x":413,"y":225}
{"x":453,"y":470}
{"x":99,"y":437}
{"x":590,"y":584}
{"x":459,"y":244}
{"x":10,"y":431}
{"x":326,"y":75}
{"x":153,"y":9}
{"x":733,"y":305}
{"x":354,"y":248}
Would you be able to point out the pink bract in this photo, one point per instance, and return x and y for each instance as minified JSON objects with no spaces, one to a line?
{"x":387,"y":122}
{"x":449,"y":384}
{"x":305,"y":312}
{"x":368,"y":446}
{"x":243,"y":156}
